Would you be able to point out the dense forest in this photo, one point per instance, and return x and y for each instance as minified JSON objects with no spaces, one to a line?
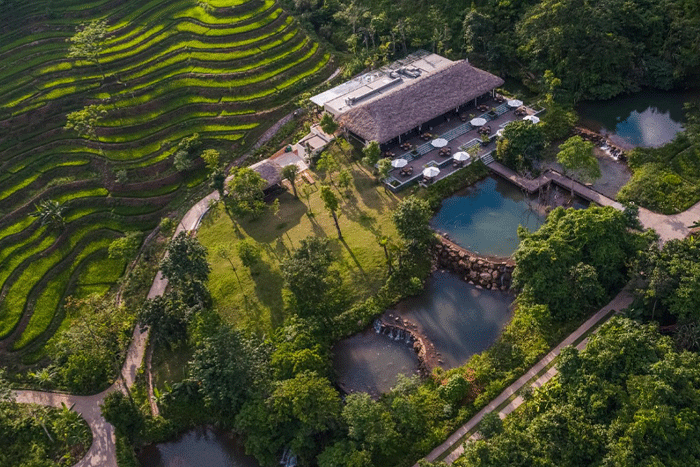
{"x":598,"y":49}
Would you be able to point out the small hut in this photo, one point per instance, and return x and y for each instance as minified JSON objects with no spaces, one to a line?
{"x":271,"y":172}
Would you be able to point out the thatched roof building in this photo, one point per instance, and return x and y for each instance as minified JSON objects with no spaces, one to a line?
{"x":387,"y":103}
{"x":415,"y":102}
{"x":271,"y":172}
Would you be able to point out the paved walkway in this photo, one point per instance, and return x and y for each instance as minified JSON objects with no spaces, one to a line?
{"x":102,"y":452}
{"x":453,"y":447}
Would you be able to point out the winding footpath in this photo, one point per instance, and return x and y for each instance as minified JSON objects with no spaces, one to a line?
{"x":102,"y":452}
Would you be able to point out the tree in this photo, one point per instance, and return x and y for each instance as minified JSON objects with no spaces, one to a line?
{"x":328,"y":163}
{"x":619,"y":404}
{"x":121,"y":176}
{"x":371,"y":426}
{"x":344,"y":180}
{"x":330,"y":201}
{"x":576,"y":253}
{"x":85,"y":122}
{"x":217,"y":181}
{"x":227,"y":368}
{"x":211,"y":159}
{"x":50,"y":213}
{"x":412,"y":220}
{"x":306,"y":274}
{"x":383,"y":168}
{"x":328,"y":125}
{"x":126,"y":418}
{"x":184,"y":154}
{"x":245,"y":192}
{"x":306,"y":405}
{"x":384,"y":242}
{"x":185,"y":261}
{"x":249,"y":252}
{"x":371,"y":151}
{"x":126,"y":246}
{"x":521,"y":145}
{"x":167,"y":317}
{"x":576,"y":155}
{"x":490,"y":425}
{"x":182,"y":161}
{"x":88,"y":42}
{"x":289,"y":172}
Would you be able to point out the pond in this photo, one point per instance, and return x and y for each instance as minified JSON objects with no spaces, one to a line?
{"x":458,"y":318}
{"x":371,"y":362}
{"x":203,"y":446}
{"x":484,"y":217}
{"x":647,"y":119}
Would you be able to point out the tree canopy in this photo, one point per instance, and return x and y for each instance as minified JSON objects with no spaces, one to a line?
{"x":412,"y":219}
{"x":574,"y":259}
{"x":628,"y":399}
{"x":245,"y":193}
{"x":306,"y":274}
{"x":521,"y":145}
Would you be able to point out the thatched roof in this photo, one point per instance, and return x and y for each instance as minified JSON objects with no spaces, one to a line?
{"x":417,"y":101}
{"x":271,"y":172}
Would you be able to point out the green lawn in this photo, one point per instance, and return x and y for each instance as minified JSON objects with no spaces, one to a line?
{"x":258,"y":304}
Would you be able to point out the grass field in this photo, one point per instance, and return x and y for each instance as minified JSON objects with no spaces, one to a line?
{"x":225,"y":69}
{"x":257,"y":303}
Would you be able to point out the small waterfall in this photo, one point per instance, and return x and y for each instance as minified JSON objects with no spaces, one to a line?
{"x":377,"y":326}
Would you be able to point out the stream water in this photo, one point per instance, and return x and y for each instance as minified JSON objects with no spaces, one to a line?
{"x":648,"y":118}
{"x":459,"y":319}
{"x":200,"y":447}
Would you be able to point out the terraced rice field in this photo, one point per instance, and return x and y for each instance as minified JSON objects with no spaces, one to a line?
{"x":221,"y":68}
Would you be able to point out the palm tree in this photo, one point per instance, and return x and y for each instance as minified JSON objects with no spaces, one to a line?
{"x":383,"y":241}
{"x":331,"y":203}
{"x":289,"y":172}
{"x":51,"y":213}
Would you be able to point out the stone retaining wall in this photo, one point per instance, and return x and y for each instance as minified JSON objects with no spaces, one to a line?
{"x":400,"y":330}
{"x":489,"y":273}
{"x":600,"y":141}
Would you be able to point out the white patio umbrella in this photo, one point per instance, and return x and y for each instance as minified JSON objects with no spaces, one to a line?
{"x":461,"y":156}
{"x":431,"y":172}
{"x":398,"y":163}
{"x":439,"y":142}
{"x":477,"y":121}
{"x":515,"y":103}
{"x":532,"y":118}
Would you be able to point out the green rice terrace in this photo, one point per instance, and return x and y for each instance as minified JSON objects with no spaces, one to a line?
{"x":223,"y":69}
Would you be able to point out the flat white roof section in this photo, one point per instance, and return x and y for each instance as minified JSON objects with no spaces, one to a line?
{"x":343,"y":97}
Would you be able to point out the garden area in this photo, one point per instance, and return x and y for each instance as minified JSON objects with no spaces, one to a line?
{"x":106,"y":109}
{"x":245,"y":256}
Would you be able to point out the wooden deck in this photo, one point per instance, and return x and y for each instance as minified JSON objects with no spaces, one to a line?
{"x":552,"y":176}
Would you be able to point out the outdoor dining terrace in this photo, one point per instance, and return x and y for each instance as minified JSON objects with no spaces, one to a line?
{"x":472,"y":130}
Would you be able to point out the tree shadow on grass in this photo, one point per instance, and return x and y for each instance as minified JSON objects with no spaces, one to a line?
{"x":353,"y":212}
{"x":269,"y":227}
{"x":337,"y":245}
{"x":268,"y":290}
{"x":373,"y":196}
